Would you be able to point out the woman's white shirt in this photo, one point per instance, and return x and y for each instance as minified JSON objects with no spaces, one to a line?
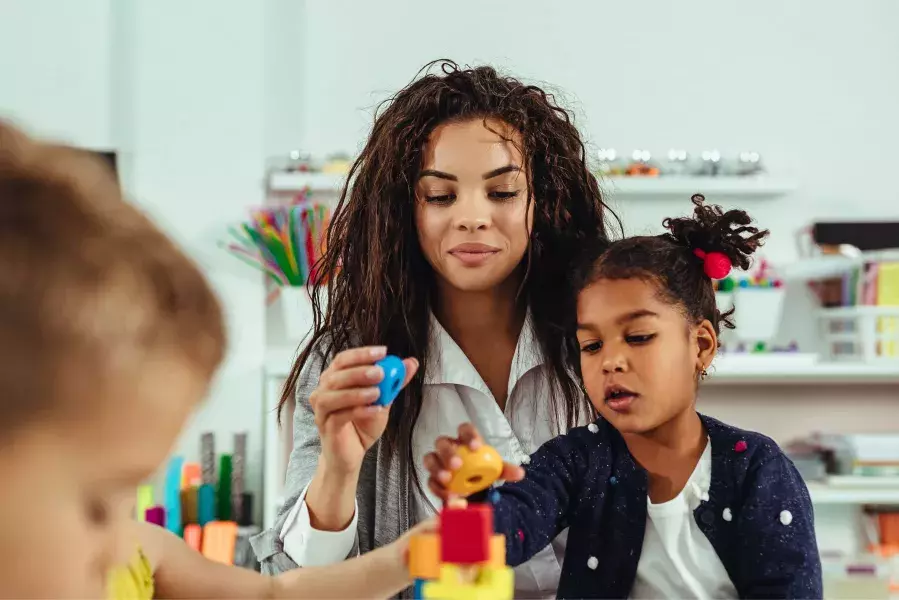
{"x":454,"y":393}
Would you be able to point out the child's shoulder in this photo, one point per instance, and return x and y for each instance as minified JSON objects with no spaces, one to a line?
{"x":751,"y":447}
{"x":598,"y":436}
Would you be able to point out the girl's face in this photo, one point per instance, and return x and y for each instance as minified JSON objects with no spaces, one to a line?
{"x":69,"y":484}
{"x":472,"y":211}
{"x":640,"y":357}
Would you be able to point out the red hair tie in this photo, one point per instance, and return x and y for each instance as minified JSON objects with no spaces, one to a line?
{"x":716,"y":265}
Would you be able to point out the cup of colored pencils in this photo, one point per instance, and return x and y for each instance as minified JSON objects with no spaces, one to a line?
{"x":284,"y":242}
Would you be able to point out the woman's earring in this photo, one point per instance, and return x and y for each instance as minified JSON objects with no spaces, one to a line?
{"x":703,"y":374}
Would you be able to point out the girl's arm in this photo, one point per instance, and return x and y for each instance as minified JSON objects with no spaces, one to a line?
{"x":778,"y":551}
{"x":181,"y":572}
{"x":533,"y":511}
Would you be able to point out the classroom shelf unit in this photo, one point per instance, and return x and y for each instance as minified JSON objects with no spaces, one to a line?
{"x":731,"y":187}
{"x":745,"y":371}
{"x":855,"y":490}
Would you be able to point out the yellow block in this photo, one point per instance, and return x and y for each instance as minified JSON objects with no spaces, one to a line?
{"x":497,"y":551}
{"x":480,"y":468}
{"x":424,"y":556}
{"x":490,"y":583}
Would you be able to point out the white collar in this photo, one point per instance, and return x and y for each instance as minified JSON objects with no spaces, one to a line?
{"x":448,"y":364}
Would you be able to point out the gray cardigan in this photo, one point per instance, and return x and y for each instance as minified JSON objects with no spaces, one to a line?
{"x":383,"y":488}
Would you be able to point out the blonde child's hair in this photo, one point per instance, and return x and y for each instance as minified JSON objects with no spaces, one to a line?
{"x":90,"y":289}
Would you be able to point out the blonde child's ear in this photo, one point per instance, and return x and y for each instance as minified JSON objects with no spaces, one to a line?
{"x":707,"y":345}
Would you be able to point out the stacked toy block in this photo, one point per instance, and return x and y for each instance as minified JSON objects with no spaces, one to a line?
{"x":465,"y":559}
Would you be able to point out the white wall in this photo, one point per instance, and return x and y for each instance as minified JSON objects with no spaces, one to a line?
{"x":57,"y":82}
{"x":197,"y":144}
{"x":811,"y":85}
{"x":178,"y":89}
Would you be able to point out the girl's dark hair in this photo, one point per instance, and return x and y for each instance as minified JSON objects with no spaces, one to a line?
{"x":669,"y":259}
{"x":379,"y":284}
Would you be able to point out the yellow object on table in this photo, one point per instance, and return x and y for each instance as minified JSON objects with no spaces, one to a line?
{"x":490,"y":583}
{"x":133,"y":581}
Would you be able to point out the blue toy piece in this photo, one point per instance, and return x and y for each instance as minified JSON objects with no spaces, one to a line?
{"x":173,"y":495}
{"x":394,"y":374}
{"x":418,"y":589}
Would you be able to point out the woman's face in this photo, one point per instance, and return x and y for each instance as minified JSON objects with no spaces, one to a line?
{"x":472,"y":211}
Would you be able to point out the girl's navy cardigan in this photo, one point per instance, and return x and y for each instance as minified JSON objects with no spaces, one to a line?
{"x":588,"y":481}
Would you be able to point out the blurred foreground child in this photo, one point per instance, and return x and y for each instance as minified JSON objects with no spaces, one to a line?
{"x":109,"y":337}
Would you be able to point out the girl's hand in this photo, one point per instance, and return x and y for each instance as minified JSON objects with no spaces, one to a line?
{"x":444,"y":461}
{"x":347,"y":422}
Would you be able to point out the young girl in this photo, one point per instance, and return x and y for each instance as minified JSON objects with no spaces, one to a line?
{"x":662,"y":502}
{"x":109,"y":336}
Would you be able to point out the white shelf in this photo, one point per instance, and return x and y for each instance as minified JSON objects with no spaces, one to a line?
{"x":855,"y":490}
{"x":727,"y":370}
{"x":737,"y":187}
{"x":783,"y":370}
{"x":316,"y":182}
{"x":826,"y":266}
{"x":743,"y":187}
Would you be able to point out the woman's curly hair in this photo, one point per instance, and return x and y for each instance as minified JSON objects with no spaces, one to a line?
{"x":380,"y":287}
{"x":670,"y":260}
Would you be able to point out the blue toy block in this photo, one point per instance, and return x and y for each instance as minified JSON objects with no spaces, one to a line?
{"x":394,"y":374}
{"x":172,"y":492}
{"x":418,"y":589}
{"x":205,"y":504}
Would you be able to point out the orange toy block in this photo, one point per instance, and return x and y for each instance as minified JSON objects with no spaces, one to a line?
{"x":219,"y":540}
{"x":465,"y":534}
{"x":193,"y":536}
{"x":191,"y":475}
{"x":497,"y":551}
{"x":480,"y":468}
{"x":424,"y":556}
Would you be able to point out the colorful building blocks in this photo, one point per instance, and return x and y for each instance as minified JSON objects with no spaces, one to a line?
{"x":465,"y":559}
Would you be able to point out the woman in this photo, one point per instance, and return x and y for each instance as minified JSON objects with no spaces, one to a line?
{"x":450,"y":247}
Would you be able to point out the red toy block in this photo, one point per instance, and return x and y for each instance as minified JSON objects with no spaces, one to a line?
{"x":465,"y":534}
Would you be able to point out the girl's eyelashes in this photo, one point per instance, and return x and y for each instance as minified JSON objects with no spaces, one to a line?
{"x":634,"y":340}
{"x":640,"y":339}
{"x":591,"y":347}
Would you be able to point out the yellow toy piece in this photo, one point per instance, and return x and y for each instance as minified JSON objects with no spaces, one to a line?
{"x":497,"y":551}
{"x":474,"y":583}
{"x":424,"y":556}
{"x":480,"y":468}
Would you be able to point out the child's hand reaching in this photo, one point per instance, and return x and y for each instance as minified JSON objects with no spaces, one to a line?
{"x":444,"y":461}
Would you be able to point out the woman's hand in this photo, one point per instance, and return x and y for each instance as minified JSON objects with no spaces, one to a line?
{"x":441,"y":463}
{"x":348,"y":423}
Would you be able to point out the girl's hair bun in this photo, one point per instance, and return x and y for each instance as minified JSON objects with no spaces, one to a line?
{"x":712,"y":232}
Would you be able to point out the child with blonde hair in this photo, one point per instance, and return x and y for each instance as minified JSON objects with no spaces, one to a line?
{"x":109,"y":336}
